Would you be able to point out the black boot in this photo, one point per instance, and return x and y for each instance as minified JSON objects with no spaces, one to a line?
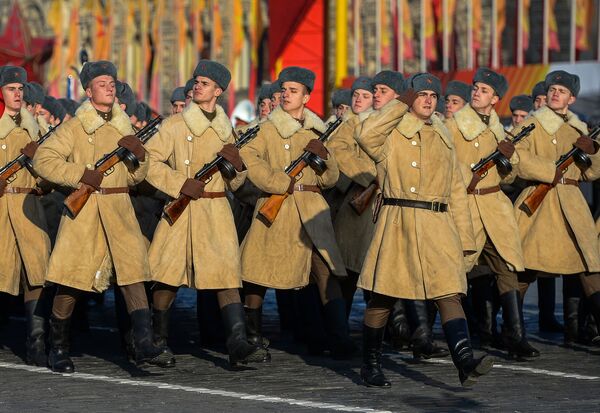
{"x":160,"y":326}
{"x":240,"y":350}
{"x":398,"y":330}
{"x":513,"y":328}
{"x":546,"y":304}
{"x":571,"y":319}
{"x":459,"y":343}
{"x":254,"y":327}
{"x":370,"y":371}
{"x":58,"y":359}
{"x":593,"y":302}
{"x":145,"y":350}
{"x":422,"y":338}
{"x":482,"y":297}
{"x":341,"y":345}
{"x":36,"y":335}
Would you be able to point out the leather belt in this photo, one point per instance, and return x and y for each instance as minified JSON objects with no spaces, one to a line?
{"x":484,"y":191}
{"x":26,"y":191}
{"x":212,"y":195}
{"x":432,"y":206}
{"x":307,"y":188}
{"x":110,"y":191}
{"x":568,"y":181}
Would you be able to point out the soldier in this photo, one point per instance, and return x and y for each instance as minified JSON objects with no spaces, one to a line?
{"x":341,"y":101}
{"x":23,"y":232}
{"x":33,"y":97}
{"x":263,"y":106}
{"x":458,"y":94}
{"x":105,"y":234}
{"x":178,"y":100}
{"x":126,"y":100}
{"x":538,"y":94}
{"x":201,"y":249}
{"x":520,"y":106}
{"x":275,"y":94}
{"x":300,"y":244}
{"x":189,"y":91}
{"x":477,"y":132}
{"x":560,"y":237}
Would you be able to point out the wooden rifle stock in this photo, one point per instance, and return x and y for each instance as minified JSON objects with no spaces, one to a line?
{"x":8,"y":171}
{"x":362,"y":199}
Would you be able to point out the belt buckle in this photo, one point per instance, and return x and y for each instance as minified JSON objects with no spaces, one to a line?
{"x":300,"y":187}
{"x":435,"y":206}
{"x":562,"y":181}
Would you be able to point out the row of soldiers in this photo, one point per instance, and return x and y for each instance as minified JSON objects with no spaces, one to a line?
{"x":433,"y":219}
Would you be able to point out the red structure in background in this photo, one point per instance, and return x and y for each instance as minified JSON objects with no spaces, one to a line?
{"x":297,"y":38}
{"x":18,"y":48}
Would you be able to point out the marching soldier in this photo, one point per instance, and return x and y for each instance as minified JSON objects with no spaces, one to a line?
{"x":33,"y":97}
{"x":341,"y":101}
{"x":105,"y":234}
{"x":23,"y":233}
{"x":177,"y":100}
{"x":275,"y":94}
{"x":200,"y":250}
{"x":189,"y":91}
{"x":560,"y":238}
{"x":538,"y":94}
{"x":263,"y":107}
{"x":458,"y":94}
{"x":520,"y":106}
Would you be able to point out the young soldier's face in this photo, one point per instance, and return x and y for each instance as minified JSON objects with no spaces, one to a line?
{"x":275,"y":100}
{"x":294,"y":96}
{"x":264,"y":108}
{"x":382,"y":95}
{"x":177,"y":106}
{"x":13,"y":97}
{"x":340,"y":110}
{"x":518,"y":116}
{"x":361,"y":100}
{"x":483,"y":96}
{"x":559,"y":97}
{"x":424,"y":105}
{"x":44,"y":114}
{"x":205,"y":90}
{"x":102,"y":90}
{"x":188,"y":97}
{"x":453,"y":104}
{"x":540,"y":101}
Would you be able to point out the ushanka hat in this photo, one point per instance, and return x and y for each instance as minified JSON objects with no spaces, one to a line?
{"x":33,"y":93}
{"x":495,"y":80}
{"x":126,"y":97}
{"x":539,"y":90}
{"x":341,"y":97}
{"x":521,"y":102}
{"x":12,"y":74}
{"x":299,"y":75}
{"x":364,"y":83}
{"x":391,"y":79}
{"x":460,"y":89}
{"x":92,"y":70}
{"x":178,"y":95}
{"x":264,"y":92}
{"x":214,"y":71}
{"x":560,"y":77}
{"x":424,"y":81}
{"x":189,"y":85}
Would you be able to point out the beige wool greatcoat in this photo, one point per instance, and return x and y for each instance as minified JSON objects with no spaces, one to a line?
{"x":105,"y":238}
{"x":279,"y":255}
{"x":493,"y":213}
{"x":560,"y":237}
{"x":23,"y":230}
{"x":416,"y":253}
{"x":352,"y":231}
{"x":201,"y":249}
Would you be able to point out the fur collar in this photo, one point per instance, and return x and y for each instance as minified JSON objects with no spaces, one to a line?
{"x":551,"y":122}
{"x":410,"y":125}
{"x":27,"y":123}
{"x":470,"y":125}
{"x":364,"y":115}
{"x":91,"y":121}
{"x":198,"y":123}
{"x":287,"y":126}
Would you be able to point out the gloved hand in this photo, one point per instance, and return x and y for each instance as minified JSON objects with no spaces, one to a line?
{"x":192,"y":188}
{"x":29,"y":149}
{"x":316,"y":147}
{"x":92,"y":178}
{"x":232,"y":154}
{"x":586,"y":144}
{"x":133,"y":145}
{"x":506,"y":148}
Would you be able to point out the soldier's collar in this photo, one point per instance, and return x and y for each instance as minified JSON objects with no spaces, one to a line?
{"x":471,"y":125}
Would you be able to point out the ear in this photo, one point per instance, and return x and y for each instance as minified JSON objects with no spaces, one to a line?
{"x":305,"y":99}
{"x":572,"y":100}
{"x":88,"y":92}
{"x":495,"y":99}
{"x":218,"y":92}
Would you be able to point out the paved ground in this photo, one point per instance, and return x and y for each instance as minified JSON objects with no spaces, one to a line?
{"x":561,"y":380}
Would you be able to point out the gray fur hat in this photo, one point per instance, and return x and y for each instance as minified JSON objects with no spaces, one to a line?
{"x":12,"y":74}
{"x":424,"y":81}
{"x":495,"y":80}
{"x":178,"y":95}
{"x":539,"y":89}
{"x":560,"y":77}
{"x":521,"y":102}
{"x":341,"y":97}
{"x":298,"y":74}
{"x":214,"y":71}
{"x":362,"y":82}
{"x":54,"y":107}
{"x":143,"y":111}
{"x":68,"y":105}
{"x":264,"y":92}
{"x":391,"y":79}
{"x":33,"y":93}
{"x":126,"y":97}
{"x":275,"y":87}
{"x":460,"y":89}
{"x":189,"y":85}
{"x":92,"y":70}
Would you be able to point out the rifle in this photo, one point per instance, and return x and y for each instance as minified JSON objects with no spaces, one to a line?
{"x":576,"y":155}
{"x":362,"y":198}
{"x":175,"y":208}
{"x":78,"y":198}
{"x":496,"y":158}
{"x":9,"y":171}
{"x":271,"y":207}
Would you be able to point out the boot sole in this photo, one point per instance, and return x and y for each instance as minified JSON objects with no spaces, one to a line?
{"x":482,"y":369}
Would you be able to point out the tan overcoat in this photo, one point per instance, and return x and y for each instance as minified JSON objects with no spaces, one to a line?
{"x":105,"y":238}
{"x":560,"y":237}
{"x":201,"y":249}
{"x":279,"y":255}
{"x":23,"y":230}
{"x":416,"y":253}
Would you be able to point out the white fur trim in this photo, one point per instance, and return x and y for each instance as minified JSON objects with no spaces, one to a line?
{"x":91,"y":121}
{"x":286,"y":125}
{"x":551,"y":122}
{"x":471,"y":126}
{"x":199,"y":123}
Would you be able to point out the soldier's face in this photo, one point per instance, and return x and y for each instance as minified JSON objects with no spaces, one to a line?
{"x":44,"y":114}
{"x":13,"y":97}
{"x":361,"y":100}
{"x":483,"y":96}
{"x":264,"y":108}
{"x":518,"y":116}
{"x":382,"y":95}
{"x":205,"y":90}
{"x":275,"y":100}
{"x":540,"y":101}
{"x":424,"y":105}
{"x":340,"y":110}
{"x":102,"y":90}
{"x":453,"y":104}
{"x":188,"y":97}
{"x":177,"y":107}
{"x":559,"y":97}
{"x":293,"y":96}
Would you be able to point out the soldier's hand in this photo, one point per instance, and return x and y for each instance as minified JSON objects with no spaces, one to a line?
{"x":92,"y":178}
{"x":133,"y":145}
{"x":232,"y":154}
{"x":557,"y":177}
{"x":408,"y":97}
{"x":506,"y":148}
{"x":193,"y":188}
{"x":290,"y":189}
{"x":3,"y":184}
{"x":316,"y":147}
{"x":29,"y":149}
{"x":586,"y":144}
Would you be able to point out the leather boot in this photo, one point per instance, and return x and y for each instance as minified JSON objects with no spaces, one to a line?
{"x":58,"y":359}
{"x":459,"y":343}
{"x":254,"y":327}
{"x":482,"y":298}
{"x":240,"y":350}
{"x":546,"y":304}
{"x":513,"y":328}
{"x":588,"y":326}
{"x":371,"y":372}
{"x":341,"y":345}
{"x":422,"y":338}
{"x":398,"y":330}
{"x":571,"y":319}
{"x":145,"y":350}
{"x":160,"y":326}
{"x":593,"y":302}
{"x":36,"y":335}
